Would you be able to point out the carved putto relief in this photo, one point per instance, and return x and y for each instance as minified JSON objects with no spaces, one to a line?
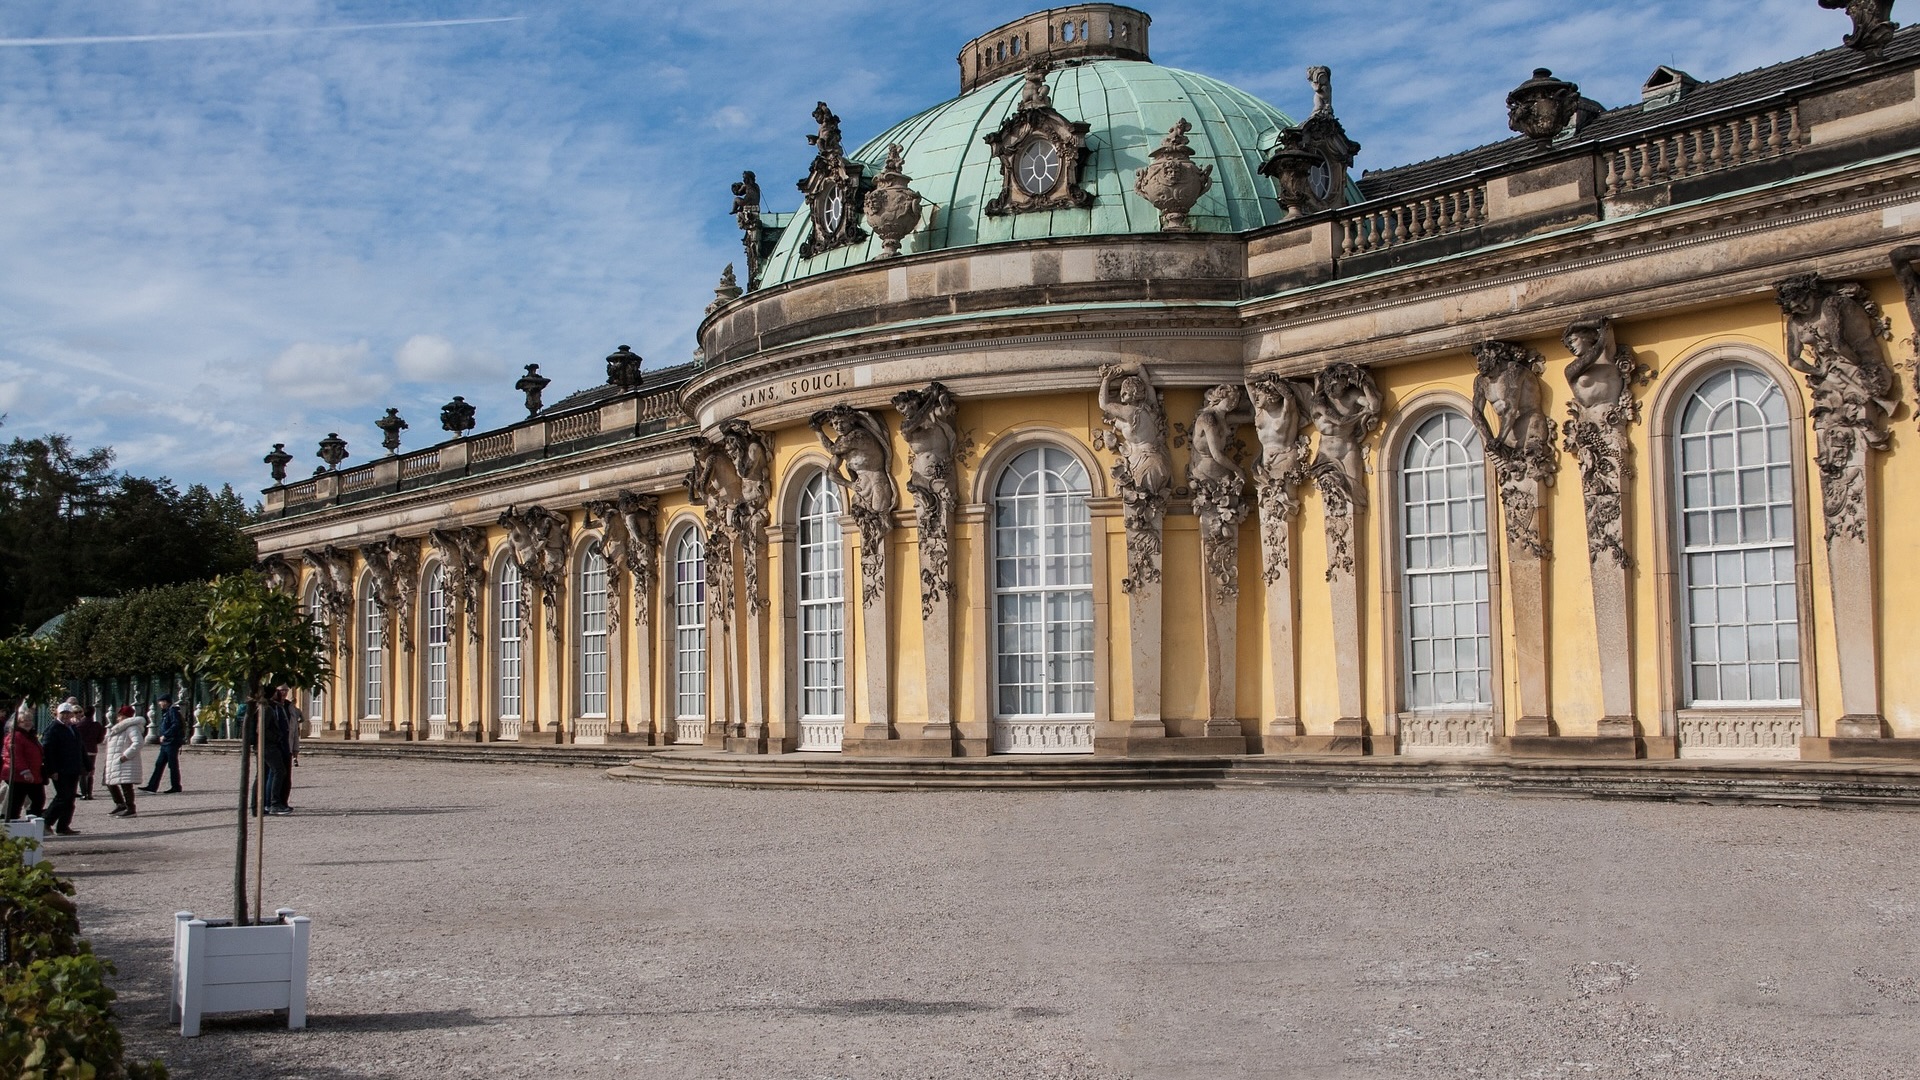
{"x":1522,"y":449}
{"x":862,"y":458}
{"x":279,"y":574}
{"x":1345,"y":408}
{"x":1218,"y":487}
{"x":933,"y":444}
{"x":893,"y":208}
{"x":393,"y":572}
{"x":1310,"y":164}
{"x":1601,"y":379}
{"x":1041,"y":152}
{"x":333,"y":590}
{"x":463,"y":563}
{"x":1280,"y":425}
{"x":832,"y":188}
{"x":639,"y":523}
{"x":537,"y":539}
{"x":1873,"y":25}
{"x":1173,"y":183}
{"x":1834,"y":331}
{"x":1137,"y":435}
{"x":732,"y":478}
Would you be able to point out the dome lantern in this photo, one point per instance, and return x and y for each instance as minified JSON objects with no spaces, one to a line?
{"x":1082,"y":31}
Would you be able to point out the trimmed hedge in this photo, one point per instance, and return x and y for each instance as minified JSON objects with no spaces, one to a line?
{"x":56,"y":1010}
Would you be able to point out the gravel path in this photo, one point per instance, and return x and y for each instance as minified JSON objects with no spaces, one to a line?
{"x":521,"y":921}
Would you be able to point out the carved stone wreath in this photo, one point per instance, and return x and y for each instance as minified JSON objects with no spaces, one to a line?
{"x":1042,"y":155}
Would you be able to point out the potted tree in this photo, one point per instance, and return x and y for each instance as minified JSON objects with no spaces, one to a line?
{"x":257,"y":639}
{"x":28,"y":672}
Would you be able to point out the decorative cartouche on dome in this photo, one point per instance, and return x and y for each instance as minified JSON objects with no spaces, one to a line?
{"x":1081,"y":31}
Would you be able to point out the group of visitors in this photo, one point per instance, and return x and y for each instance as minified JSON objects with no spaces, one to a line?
{"x":68,"y":754}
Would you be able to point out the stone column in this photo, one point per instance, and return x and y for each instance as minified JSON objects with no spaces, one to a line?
{"x":1527,"y":587}
{"x":1343,"y":582}
{"x":553,"y":650}
{"x":456,"y":669}
{"x":1144,"y":621}
{"x":976,"y":732}
{"x":1282,"y":611}
{"x":876,"y":644}
{"x":641,"y":720}
{"x":936,"y":625}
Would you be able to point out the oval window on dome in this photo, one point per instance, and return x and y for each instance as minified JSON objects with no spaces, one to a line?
{"x":1039,"y":167}
{"x":836,"y":211}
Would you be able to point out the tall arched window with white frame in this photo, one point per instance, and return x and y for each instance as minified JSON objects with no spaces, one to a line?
{"x":591,"y":661}
{"x":1447,"y":617}
{"x":317,"y":701}
{"x":1734,"y":472}
{"x":372,"y":652}
{"x":823,"y":616}
{"x":436,"y":651}
{"x":690,"y":637}
{"x":506,"y":643}
{"x":1043,"y":605}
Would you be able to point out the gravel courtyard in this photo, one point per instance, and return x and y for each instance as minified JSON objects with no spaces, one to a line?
{"x":526,"y":921}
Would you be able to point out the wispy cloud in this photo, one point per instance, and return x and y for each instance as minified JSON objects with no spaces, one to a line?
{"x":266,"y":31}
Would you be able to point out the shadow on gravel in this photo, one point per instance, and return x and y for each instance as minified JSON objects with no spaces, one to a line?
{"x":896,"y":1007}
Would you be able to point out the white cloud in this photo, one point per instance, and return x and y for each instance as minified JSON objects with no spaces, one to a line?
{"x":325,"y":374}
{"x":427,"y":358}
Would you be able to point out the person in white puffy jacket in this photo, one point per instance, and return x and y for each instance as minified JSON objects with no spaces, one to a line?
{"x":123,"y":759}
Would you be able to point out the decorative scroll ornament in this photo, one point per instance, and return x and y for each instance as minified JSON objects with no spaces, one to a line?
{"x":1143,"y":471}
{"x":1173,"y":183}
{"x":639,"y":519}
{"x":933,"y":443}
{"x":1543,"y":107}
{"x":1601,"y":378}
{"x":1310,"y":163}
{"x":755,"y":238}
{"x":832,"y":188}
{"x":1523,"y":453}
{"x":390,"y":427}
{"x":1873,"y":25}
{"x":463,"y":566}
{"x":893,"y":209}
{"x":276,"y":462}
{"x":538,"y":538}
{"x":279,"y":574}
{"x":457,"y":416}
{"x":1280,"y":423}
{"x":1345,"y":408}
{"x":1853,"y":387}
{"x":333,"y":590}
{"x":862,"y":467}
{"x":1042,"y":154}
{"x":1218,"y":487}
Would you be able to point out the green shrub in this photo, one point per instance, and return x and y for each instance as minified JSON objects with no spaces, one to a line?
{"x":56,"y":1010}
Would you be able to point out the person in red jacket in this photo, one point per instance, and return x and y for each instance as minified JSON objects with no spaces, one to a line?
{"x":20,"y":768}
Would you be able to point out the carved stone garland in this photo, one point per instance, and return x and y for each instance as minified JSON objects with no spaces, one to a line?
{"x":1524,"y":459}
{"x":1042,"y":154}
{"x":1143,"y":469}
{"x":1602,"y":378}
{"x":1345,"y":407}
{"x":1280,"y":420}
{"x":538,"y":538}
{"x":1218,"y":487}
{"x":862,"y":467}
{"x":933,"y":443}
{"x":1853,"y":388}
{"x":333,"y":591}
{"x":463,"y":562}
{"x":833,"y":191}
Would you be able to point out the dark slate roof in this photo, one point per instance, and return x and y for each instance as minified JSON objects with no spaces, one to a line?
{"x":1833,"y":65}
{"x":650,"y":381}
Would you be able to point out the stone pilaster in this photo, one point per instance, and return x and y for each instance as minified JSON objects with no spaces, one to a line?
{"x":1527,"y":587}
{"x":1282,"y":612}
{"x":1856,"y":623}
{"x":869,"y":737}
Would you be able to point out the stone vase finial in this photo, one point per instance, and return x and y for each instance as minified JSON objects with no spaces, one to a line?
{"x":726,"y":292}
{"x":333,"y":450}
{"x":1873,"y":25}
{"x":276,"y":461}
{"x":893,"y":209}
{"x":1173,"y":183}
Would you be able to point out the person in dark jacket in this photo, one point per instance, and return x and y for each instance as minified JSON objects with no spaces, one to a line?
{"x":278,"y":758}
{"x":64,"y":758}
{"x":173,"y":733}
{"x":92,"y":734}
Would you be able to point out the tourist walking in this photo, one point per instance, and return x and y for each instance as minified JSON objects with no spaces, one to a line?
{"x":123,"y":759}
{"x":92,"y":734}
{"x":65,"y":762}
{"x":20,"y":767}
{"x":173,"y":733}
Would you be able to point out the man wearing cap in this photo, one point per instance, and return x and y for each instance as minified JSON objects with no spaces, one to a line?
{"x":173,"y":732}
{"x":65,"y":760}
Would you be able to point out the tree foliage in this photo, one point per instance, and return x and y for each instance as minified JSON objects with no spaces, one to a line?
{"x":71,"y":526}
{"x":153,"y":631}
{"x":257,"y":637}
{"x":28,"y":672}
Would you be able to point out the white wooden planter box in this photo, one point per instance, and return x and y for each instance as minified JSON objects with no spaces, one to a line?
{"x":222,"y":969}
{"x":32,"y":828}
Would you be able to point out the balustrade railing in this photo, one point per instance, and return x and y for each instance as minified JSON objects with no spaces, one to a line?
{"x":1710,"y":147}
{"x":419,"y":465}
{"x":304,"y":492}
{"x":1421,"y":217}
{"x":578,"y":426}
{"x":663,"y":407}
{"x":359,"y":479}
{"x":491,"y":447}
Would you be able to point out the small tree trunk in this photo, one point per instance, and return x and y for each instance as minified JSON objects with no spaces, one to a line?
{"x":260,"y":808}
{"x":240,"y":841}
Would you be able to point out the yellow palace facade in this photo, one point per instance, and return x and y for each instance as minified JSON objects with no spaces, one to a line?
{"x":1102,"y":410}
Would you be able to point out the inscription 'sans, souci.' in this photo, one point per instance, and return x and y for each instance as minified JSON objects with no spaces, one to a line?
{"x":803,"y":386}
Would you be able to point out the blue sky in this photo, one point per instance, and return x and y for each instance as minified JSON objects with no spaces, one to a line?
{"x":210,"y":244}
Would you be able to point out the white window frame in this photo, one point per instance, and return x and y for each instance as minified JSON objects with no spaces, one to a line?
{"x":372,"y":656}
{"x":436,"y":631}
{"x":820,"y":586}
{"x":1060,"y":541}
{"x":590,"y":654}
{"x":688,"y":652}
{"x":1422,"y":579}
{"x":509,"y":674}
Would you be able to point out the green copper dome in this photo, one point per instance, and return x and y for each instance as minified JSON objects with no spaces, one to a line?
{"x":1129,"y":106}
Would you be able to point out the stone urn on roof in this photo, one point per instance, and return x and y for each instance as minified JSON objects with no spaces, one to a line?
{"x":1173,"y":183}
{"x":893,"y":208}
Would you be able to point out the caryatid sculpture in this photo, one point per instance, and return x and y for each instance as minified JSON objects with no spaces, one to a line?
{"x":333,"y":590}
{"x":752,"y":459}
{"x":862,"y":459}
{"x":463,"y":566}
{"x":1344,"y":407}
{"x":1601,"y":379}
{"x":393,"y":568}
{"x":538,"y":538}
{"x":1522,"y":449}
{"x":1144,"y":471}
{"x":640,"y":521}
{"x":1280,"y":425}
{"x":278,"y":574}
{"x":1217,"y":485}
{"x":613,"y":551}
{"x":933,"y":443}
{"x":1833,"y":338}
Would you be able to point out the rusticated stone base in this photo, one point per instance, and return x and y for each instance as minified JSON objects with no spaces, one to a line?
{"x":1615,"y":727}
{"x":1568,"y":746}
{"x":738,"y":745}
{"x":1812,"y":749}
{"x":1170,"y":746}
{"x":1323,"y":745}
{"x":897,"y":748}
{"x":1533,"y":727}
{"x":1660,"y":747}
{"x":1860,"y":727}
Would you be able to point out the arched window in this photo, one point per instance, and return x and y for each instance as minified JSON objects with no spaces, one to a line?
{"x":317,"y":701}
{"x":1735,"y":491}
{"x":506,"y":655}
{"x":690,"y":637}
{"x":372,"y":649}
{"x":436,"y":635}
{"x":1443,"y":529}
{"x":1043,"y":605}
{"x":592,"y":658}
{"x":823,"y":666}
